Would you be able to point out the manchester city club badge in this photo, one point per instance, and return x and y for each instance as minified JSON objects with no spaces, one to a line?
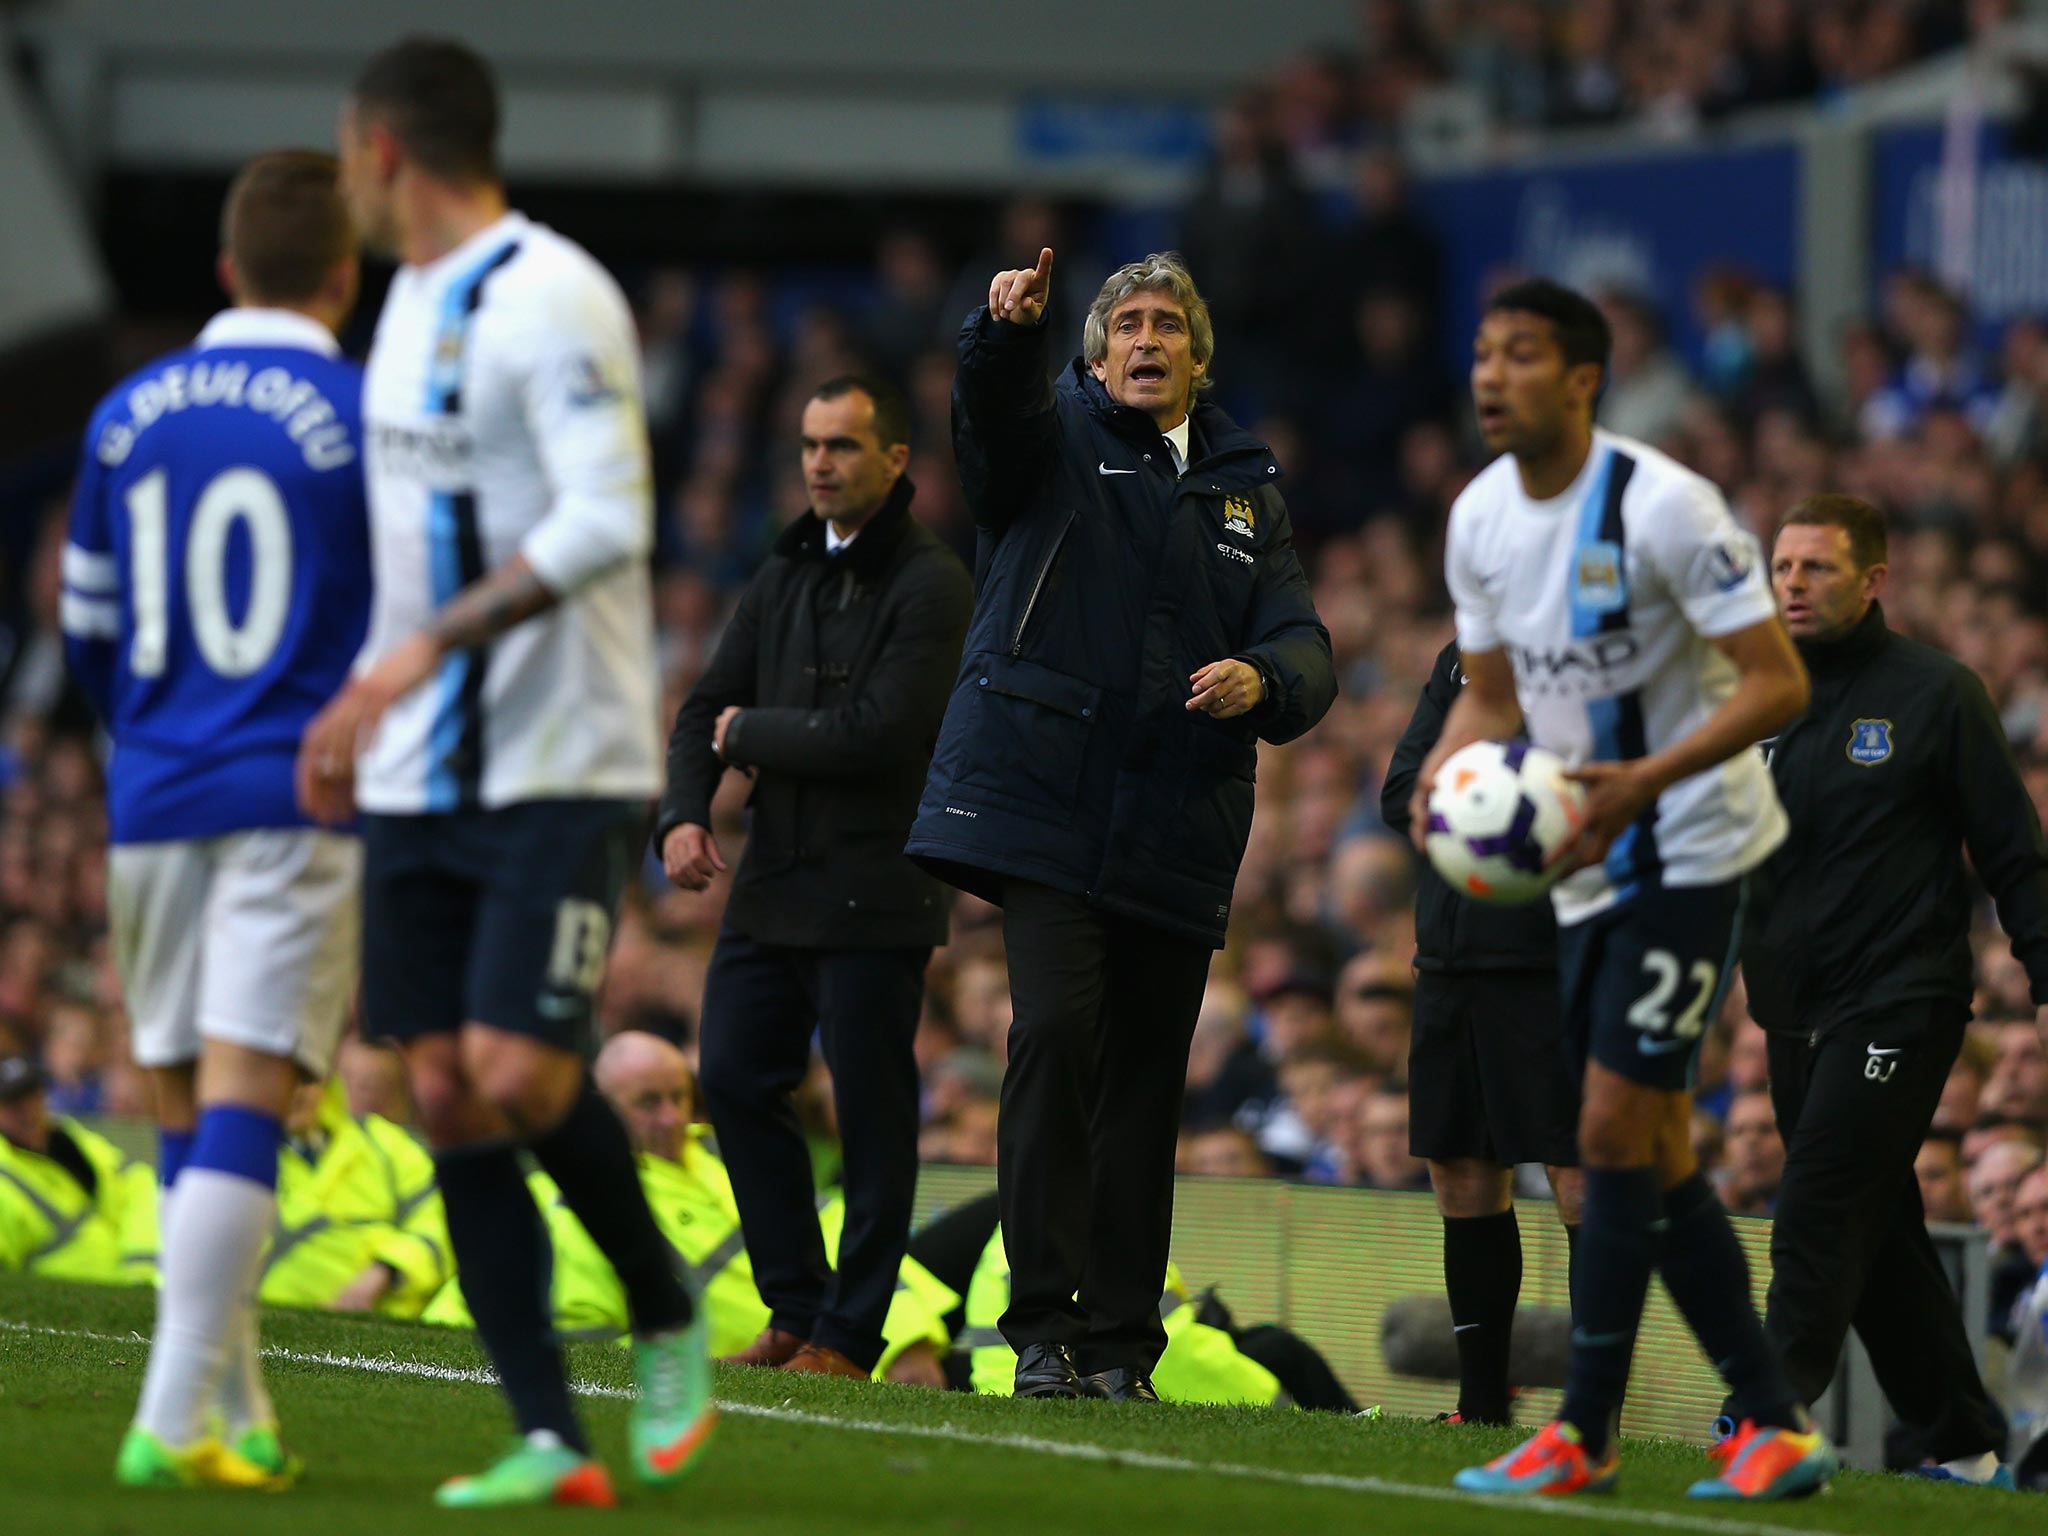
{"x":1870,"y":742}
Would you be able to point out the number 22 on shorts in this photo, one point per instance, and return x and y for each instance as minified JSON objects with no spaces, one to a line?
{"x":1651,"y":1013}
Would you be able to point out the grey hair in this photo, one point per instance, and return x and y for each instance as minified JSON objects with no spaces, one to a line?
{"x":1161,"y":272}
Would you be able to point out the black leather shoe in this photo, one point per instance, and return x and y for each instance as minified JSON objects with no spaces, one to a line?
{"x":1121,"y":1384}
{"x":1047,"y":1370}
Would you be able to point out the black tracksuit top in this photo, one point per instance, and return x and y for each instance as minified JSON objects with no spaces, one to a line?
{"x":1898,"y":767}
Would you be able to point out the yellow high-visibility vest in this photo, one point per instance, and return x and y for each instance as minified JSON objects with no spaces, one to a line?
{"x":367,"y":1196}
{"x":50,"y":1224}
{"x":693,"y":1204}
{"x":1201,"y":1364}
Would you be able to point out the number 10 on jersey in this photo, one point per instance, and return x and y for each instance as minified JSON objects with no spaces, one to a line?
{"x":231,"y":648}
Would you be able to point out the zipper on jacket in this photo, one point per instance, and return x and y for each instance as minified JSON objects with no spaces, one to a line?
{"x":1038,"y":586}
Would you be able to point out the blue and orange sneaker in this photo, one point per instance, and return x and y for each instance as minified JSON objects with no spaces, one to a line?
{"x":1552,"y":1462}
{"x":2001,"y":1477}
{"x":1760,"y":1463}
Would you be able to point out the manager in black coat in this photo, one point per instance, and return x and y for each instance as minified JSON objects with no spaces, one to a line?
{"x":827,"y":687}
{"x":1141,"y":621}
{"x":1856,"y":959}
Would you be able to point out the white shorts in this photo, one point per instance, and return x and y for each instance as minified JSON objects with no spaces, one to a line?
{"x":251,"y":938}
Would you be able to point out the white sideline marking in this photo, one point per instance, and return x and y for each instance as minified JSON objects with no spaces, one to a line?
{"x":1072,"y":1450}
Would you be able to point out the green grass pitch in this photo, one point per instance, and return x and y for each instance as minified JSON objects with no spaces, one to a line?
{"x":383,"y":1411}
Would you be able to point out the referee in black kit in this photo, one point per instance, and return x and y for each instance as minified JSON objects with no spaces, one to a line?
{"x":1491,"y":1081}
{"x":1856,"y":954}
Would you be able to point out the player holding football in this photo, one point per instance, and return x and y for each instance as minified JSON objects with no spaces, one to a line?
{"x":504,"y":710}
{"x":1606,"y":591}
{"x":216,"y":588}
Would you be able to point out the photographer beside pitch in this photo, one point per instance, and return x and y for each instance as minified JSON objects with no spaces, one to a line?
{"x":1856,"y":955}
{"x":1142,"y":621}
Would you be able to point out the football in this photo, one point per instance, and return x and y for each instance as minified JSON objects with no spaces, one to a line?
{"x":1500,"y":809}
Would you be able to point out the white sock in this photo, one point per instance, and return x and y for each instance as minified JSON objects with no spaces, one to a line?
{"x":165,"y":1201}
{"x":212,"y":1252}
{"x":244,"y":1401}
{"x":1973,"y":1469}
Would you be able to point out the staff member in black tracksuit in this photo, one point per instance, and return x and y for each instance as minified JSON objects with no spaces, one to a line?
{"x":1142,"y":622}
{"x":1856,"y":955}
{"x":828,"y":685}
{"x":1490,"y":1077}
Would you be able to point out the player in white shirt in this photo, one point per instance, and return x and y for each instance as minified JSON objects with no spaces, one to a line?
{"x":1606,"y":598}
{"x":500,"y":735}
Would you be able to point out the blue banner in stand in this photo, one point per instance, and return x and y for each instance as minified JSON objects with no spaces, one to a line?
{"x":2009,"y":263}
{"x":1651,"y":224}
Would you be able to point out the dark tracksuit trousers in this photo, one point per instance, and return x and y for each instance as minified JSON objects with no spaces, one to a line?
{"x":1849,"y":1243}
{"x":762,"y":1003}
{"x":1104,"y":1010}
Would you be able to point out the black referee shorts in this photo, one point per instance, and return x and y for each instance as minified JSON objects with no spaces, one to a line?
{"x":1489,"y":1073}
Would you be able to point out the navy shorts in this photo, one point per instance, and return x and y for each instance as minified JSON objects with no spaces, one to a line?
{"x":502,"y":917}
{"x":1643,"y":981}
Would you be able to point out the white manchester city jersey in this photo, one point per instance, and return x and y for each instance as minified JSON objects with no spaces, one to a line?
{"x":1604,"y":599}
{"x":502,"y":416}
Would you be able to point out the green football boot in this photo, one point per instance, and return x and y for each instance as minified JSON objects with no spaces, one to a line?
{"x":673,"y":1416}
{"x":539,"y":1469}
{"x":260,"y":1446}
{"x":146,"y":1462}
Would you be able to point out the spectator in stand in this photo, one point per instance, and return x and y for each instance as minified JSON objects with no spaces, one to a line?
{"x":1376,"y":1012}
{"x":2016,"y":428}
{"x":1939,"y":1168}
{"x":1396,"y":384}
{"x":1294,"y":1013}
{"x":1962,"y":1094}
{"x":909,"y":310}
{"x":1779,"y":380}
{"x":2018,"y":1085}
{"x":73,"y":1055}
{"x":981,"y":1004}
{"x":1224,"y":1151}
{"x":1994,"y":1180}
{"x":1709,"y":1140}
{"x":1940,"y":369}
{"x":1324,"y":1084}
{"x":1588,"y":87}
{"x":1754,"y":1160}
{"x":1648,"y":388}
{"x":2030,"y":1219}
{"x":1507,"y":62}
{"x":1249,"y":231}
{"x":1379,"y":1145}
{"x":1226,"y":1070}
{"x":1773,"y":55}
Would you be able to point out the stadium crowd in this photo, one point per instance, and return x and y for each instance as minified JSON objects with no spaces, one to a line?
{"x":1298,"y":1060}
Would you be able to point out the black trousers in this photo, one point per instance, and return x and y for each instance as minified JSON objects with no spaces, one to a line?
{"x":762,"y":1002}
{"x":1104,"y":1009}
{"x":1849,"y":1244}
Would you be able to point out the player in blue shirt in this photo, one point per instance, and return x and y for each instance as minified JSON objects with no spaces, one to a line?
{"x":216,"y":591}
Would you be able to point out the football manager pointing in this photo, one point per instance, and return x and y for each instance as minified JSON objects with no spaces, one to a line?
{"x":1142,"y":620}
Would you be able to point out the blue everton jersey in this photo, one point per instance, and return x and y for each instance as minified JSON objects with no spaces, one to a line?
{"x":217,"y":577}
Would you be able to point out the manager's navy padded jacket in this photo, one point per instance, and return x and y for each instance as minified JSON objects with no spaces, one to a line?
{"x":1068,"y":756}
